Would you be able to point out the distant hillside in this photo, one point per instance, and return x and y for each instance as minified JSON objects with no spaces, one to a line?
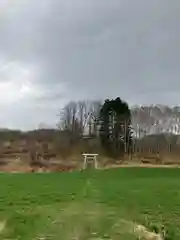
{"x":40,"y":134}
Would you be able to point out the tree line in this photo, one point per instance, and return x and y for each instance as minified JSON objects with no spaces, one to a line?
{"x":109,"y":121}
{"x":110,"y":127}
{"x":120,"y":129}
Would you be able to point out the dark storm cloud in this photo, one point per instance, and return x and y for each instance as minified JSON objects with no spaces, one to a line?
{"x":98,"y":48}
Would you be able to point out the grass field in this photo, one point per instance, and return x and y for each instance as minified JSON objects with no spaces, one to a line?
{"x":107,"y":204}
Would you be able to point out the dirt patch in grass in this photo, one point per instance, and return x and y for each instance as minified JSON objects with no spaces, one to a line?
{"x":138,"y":231}
{"x":141,"y":165}
{"x":143,"y":233}
{"x":2,"y":226}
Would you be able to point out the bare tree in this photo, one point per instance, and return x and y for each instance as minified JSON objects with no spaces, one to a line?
{"x":68,"y":117}
{"x":88,"y":116}
{"x":80,"y":117}
{"x":83,"y":115}
{"x":95,"y":108}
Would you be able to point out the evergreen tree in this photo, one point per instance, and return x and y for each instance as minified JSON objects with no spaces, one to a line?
{"x":115,"y":127}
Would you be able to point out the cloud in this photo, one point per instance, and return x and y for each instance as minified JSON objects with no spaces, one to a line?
{"x":15,"y":83}
{"x":23,"y":101}
{"x":55,"y":50}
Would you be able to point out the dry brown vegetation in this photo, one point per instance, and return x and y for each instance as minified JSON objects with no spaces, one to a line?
{"x":55,"y":150}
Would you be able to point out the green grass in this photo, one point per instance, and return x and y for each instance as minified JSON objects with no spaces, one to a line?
{"x":90,"y":204}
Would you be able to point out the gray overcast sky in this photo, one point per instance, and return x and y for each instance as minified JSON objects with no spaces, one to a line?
{"x":55,"y":50}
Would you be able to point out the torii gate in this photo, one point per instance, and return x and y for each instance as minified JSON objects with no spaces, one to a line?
{"x":90,"y":157}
